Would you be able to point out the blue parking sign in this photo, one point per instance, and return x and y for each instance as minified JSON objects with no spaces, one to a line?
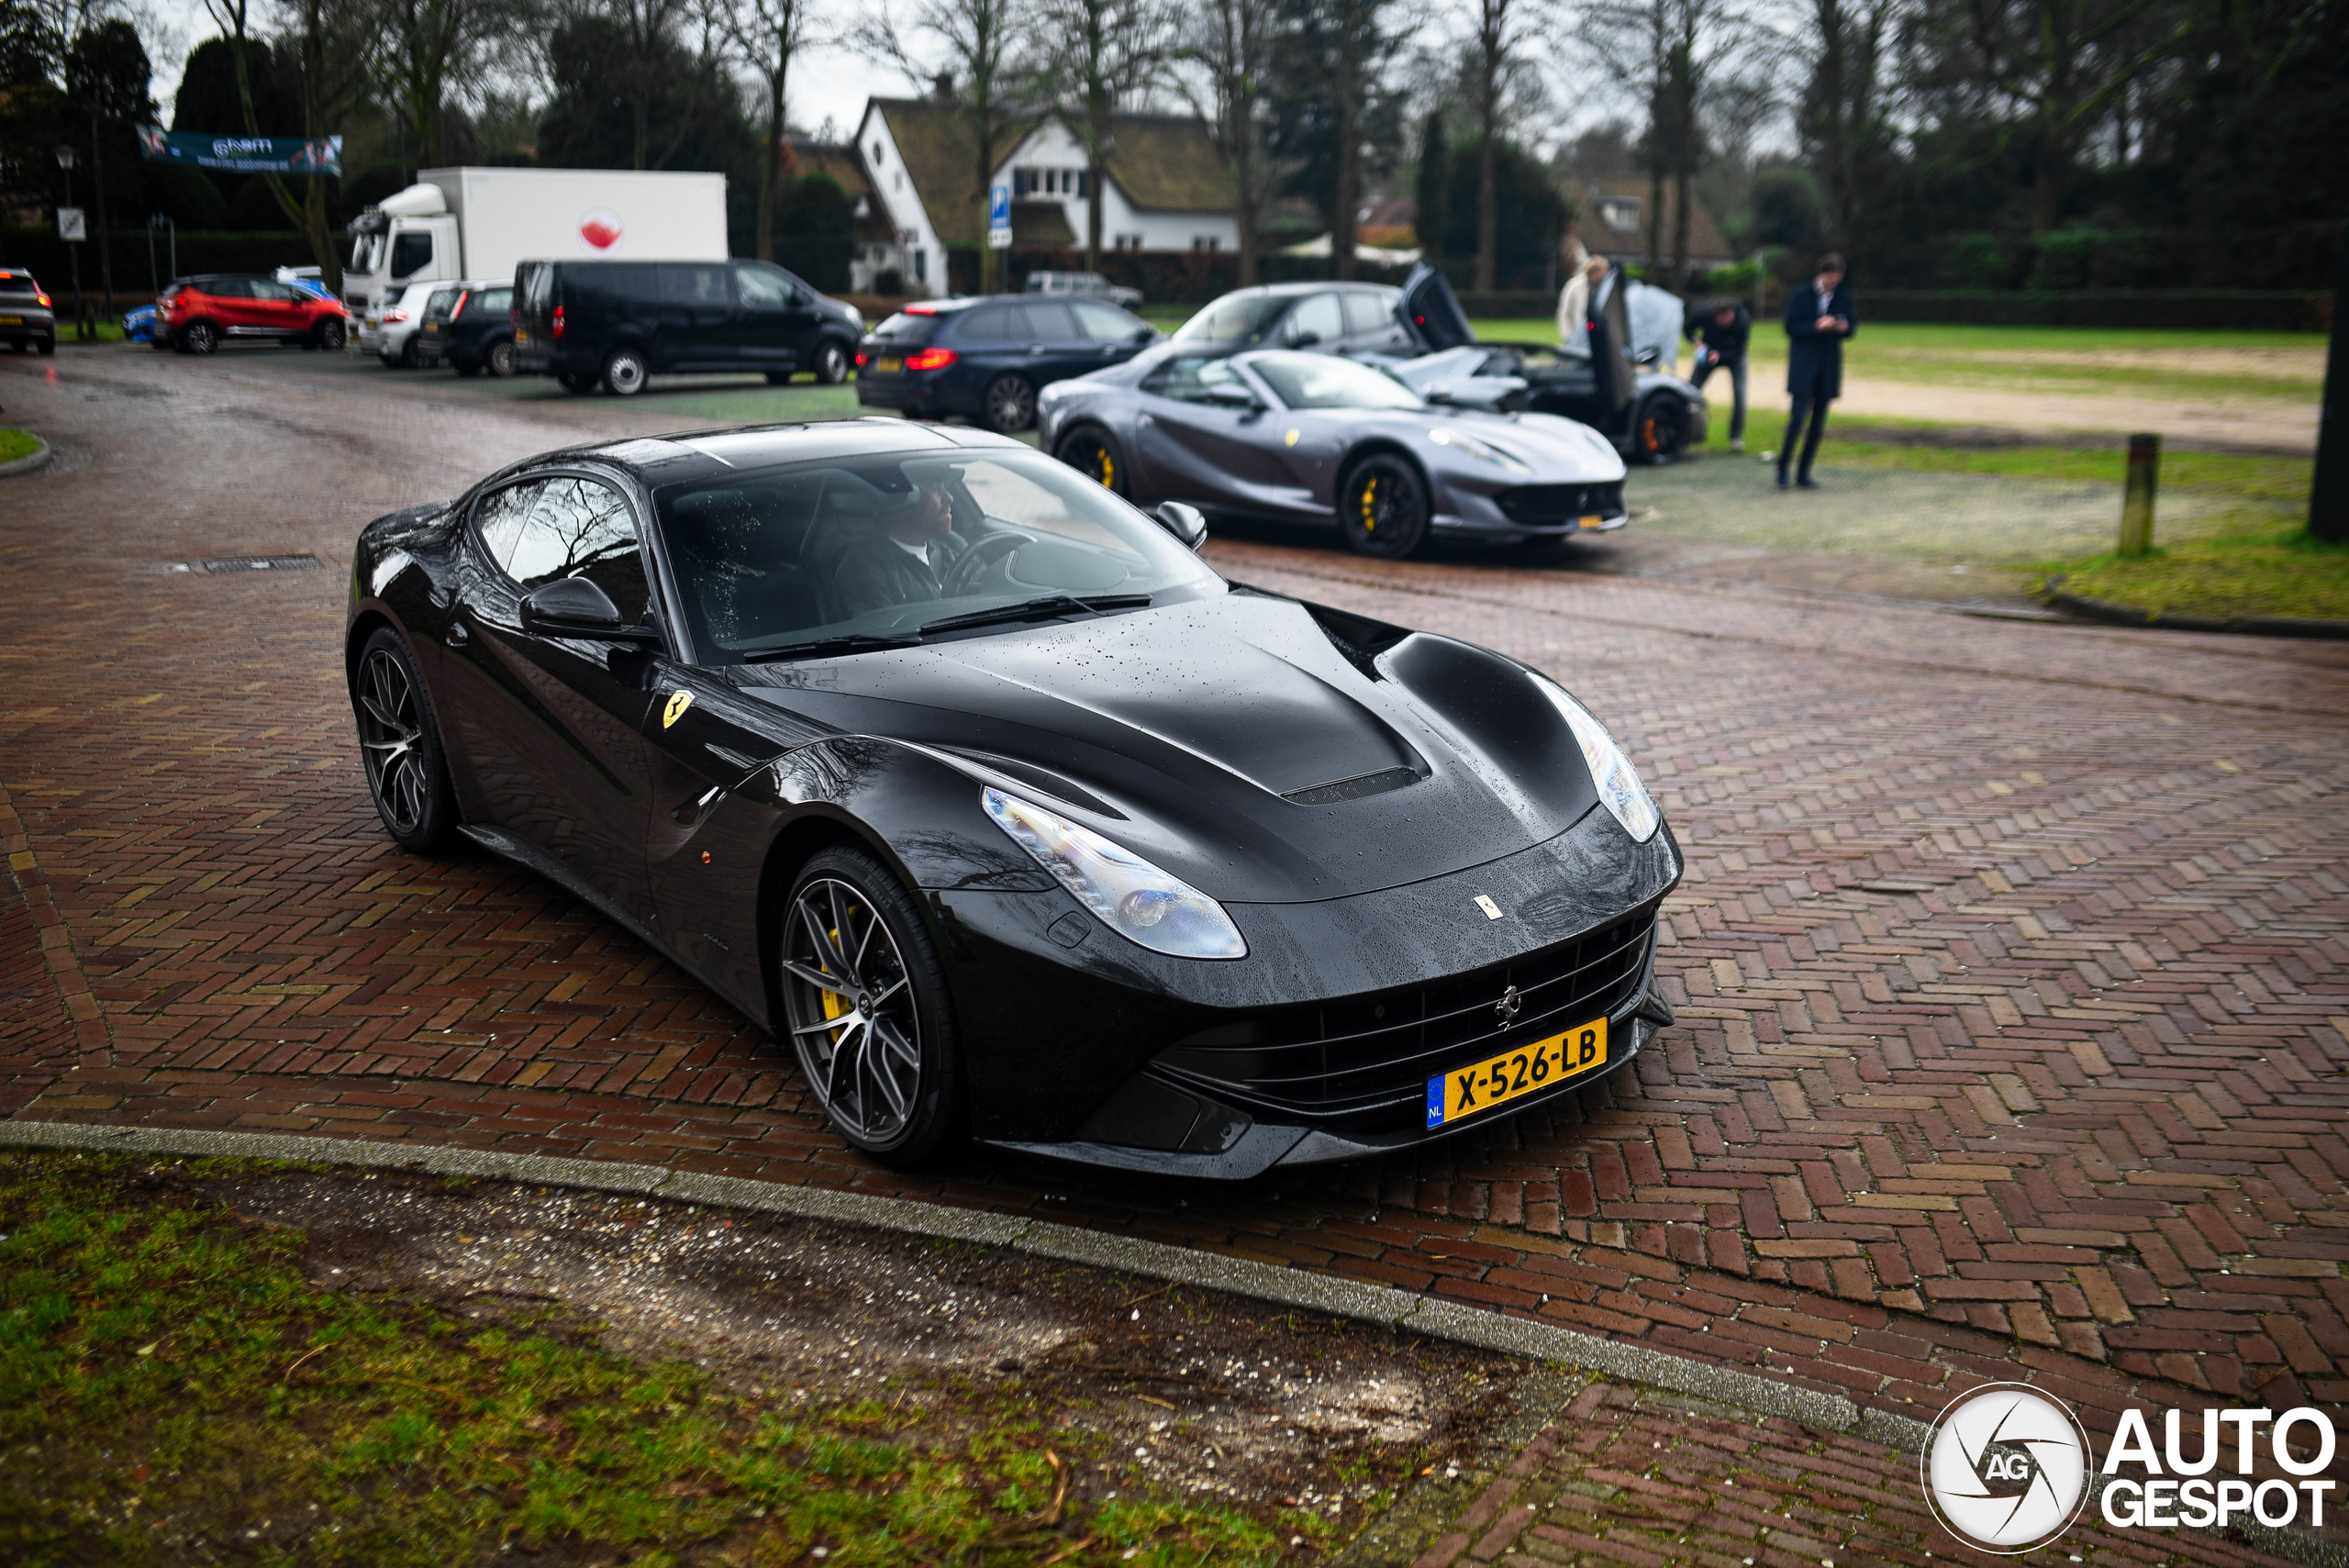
{"x":999,"y":217}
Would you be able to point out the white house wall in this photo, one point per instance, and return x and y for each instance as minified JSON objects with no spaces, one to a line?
{"x":1051,"y":146}
{"x":921,"y":259}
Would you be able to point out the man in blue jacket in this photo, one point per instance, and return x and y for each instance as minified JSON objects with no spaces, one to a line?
{"x":1819,"y":317}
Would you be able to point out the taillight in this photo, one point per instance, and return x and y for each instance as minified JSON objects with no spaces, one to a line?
{"x":919,"y":310}
{"x":557,"y":324}
{"x":391,"y":316}
{"x":929,"y":359}
{"x":43,"y":297}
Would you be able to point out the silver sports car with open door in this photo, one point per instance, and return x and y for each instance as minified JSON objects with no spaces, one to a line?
{"x":1317,"y":439}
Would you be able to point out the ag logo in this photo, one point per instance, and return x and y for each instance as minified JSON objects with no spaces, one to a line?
{"x":678,"y":702}
{"x":2007,"y":1468}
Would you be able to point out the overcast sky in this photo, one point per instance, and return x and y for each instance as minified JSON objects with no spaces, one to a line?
{"x":824,"y":81}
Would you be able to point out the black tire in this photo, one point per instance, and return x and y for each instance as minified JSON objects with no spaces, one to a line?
{"x":625,"y":372}
{"x":48,"y":347}
{"x":1008,"y":404}
{"x":399,"y":746}
{"x":159,"y":342}
{"x":577,"y":385}
{"x":1660,"y":428}
{"x":200,"y":338}
{"x":1093,"y":452}
{"x":893,"y":1087}
{"x":466,"y":368}
{"x":332,"y":335}
{"x":23,"y":345}
{"x":1382,"y":506}
{"x":831,"y":362}
{"x":411,"y":354}
{"x":778,"y":378}
{"x":500,"y":359}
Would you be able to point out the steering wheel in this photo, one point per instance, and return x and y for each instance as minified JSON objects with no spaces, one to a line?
{"x":963,"y":577}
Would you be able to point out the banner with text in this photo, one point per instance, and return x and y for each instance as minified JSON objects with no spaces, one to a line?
{"x":243,"y":154}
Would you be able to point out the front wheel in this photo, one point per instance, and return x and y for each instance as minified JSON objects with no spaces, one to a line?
{"x":399,"y":745}
{"x":1383,"y":507}
{"x":1090,"y":451}
{"x":332,"y":334}
{"x":1009,"y":404}
{"x":466,"y":368}
{"x":831,"y":364}
{"x":625,"y":372}
{"x":201,"y":339}
{"x":1660,"y":432}
{"x":865,"y":999}
{"x":499,"y":362}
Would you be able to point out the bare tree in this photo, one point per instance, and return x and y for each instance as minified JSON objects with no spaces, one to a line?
{"x":766,"y":34}
{"x":330,"y":40}
{"x":1843,"y":117}
{"x":1096,"y":54}
{"x":1364,"y":50}
{"x":1666,"y":52}
{"x":1227,"y":49}
{"x":426,"y":52}
{"x":1497,"y":67}
{"x":969,"y":53}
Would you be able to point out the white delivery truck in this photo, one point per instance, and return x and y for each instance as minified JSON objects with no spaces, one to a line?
{"x":476,"y":224}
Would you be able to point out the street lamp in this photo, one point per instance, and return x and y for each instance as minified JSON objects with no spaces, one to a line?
{"x":65,"y":161}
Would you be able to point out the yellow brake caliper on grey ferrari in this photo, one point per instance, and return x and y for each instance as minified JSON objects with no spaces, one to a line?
{"x":1108,"y":470}
{"x":1370,"y":505}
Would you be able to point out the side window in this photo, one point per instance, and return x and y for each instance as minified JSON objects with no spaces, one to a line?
{"x":988,"y":326}
{"x":683,"y":283}
{"x":1367,"y":312}
{"x":493,"y":302}
{"x":577,"y":527}
{"x":1052,"y":324}
{"x":275,"y":293}
{"x":1187,"y":380}
{"x":761,"y":287}
{"x":1104,"y":323}
{"x":1315,"y":319}
{"x":500,"y":516}
{"x":410,"y":253}
{"x":226,"y":288}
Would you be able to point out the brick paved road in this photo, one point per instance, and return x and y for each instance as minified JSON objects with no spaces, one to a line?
{"x":2010,"y":960}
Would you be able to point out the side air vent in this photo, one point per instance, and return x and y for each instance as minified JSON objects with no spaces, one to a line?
{"x":1353,"y":788}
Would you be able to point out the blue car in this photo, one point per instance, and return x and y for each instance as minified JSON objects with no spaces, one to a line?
{"x":139,"y":326}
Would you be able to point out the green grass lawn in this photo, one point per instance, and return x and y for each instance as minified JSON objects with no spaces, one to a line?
{"x":15,"y":444}
{"x":2254,"y":568}
{"x":172,"y":1387}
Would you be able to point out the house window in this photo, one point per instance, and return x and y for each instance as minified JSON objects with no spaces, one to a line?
{"x":1127,"y":242}
{"x":1206,"y":242}
{"x":921,"y":265}
{"x":1035,"y":182}
{"x":876,"y":155}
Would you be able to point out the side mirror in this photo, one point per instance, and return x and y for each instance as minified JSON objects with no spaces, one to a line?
{"x":1305,"y":339}
{"x":1144,"y":334}
{"x":575,"y":606}
{"x":1231,"y":395}
{"x":1185,"y":521}
{"x":1439,"y":393}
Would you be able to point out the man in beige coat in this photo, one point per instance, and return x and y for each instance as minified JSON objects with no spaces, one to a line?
{"x":1574,"y":305}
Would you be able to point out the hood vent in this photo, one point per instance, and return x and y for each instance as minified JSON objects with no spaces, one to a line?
{"x":1354,"y":788}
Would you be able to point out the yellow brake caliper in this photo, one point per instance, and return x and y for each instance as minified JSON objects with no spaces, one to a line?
{"x":835,"y":1005}
{"x":1369,"y":505}
{"x":1108,"y":470}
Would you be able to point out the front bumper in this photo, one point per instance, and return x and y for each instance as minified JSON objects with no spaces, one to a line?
{"x":1318,"y":1044}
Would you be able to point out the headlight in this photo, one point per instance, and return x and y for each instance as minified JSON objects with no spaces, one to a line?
{"x":1477,"y":449}
{"x":1619,"y":789}
{"x":1133,"y":898}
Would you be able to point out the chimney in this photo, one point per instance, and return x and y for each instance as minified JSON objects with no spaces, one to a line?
{"x":942,"y":86}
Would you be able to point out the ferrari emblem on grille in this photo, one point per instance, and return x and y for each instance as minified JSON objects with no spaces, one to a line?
{"x":1506,"y":1008}
{"x":676,"y":708}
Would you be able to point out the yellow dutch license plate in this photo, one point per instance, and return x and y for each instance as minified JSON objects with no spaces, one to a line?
{"x":1591,"y":521}
{"x":1513,"y":1074}
{"x":888,"y":367}
{"x":11,"y":321}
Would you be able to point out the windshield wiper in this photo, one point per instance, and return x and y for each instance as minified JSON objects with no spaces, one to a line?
{"x":1050,"y":605}
{"x":851,"y":642}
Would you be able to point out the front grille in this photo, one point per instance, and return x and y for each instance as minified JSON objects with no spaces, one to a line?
{"x":1364,"y":1061}
{"x":1555,"y":504}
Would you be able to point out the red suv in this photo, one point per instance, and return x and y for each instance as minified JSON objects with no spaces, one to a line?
{"x":195,"y":315}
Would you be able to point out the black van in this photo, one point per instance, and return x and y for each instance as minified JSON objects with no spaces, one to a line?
{"x":619,"y":323}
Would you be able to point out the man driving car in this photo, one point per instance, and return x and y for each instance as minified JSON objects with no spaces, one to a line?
{"x":907,"y":557}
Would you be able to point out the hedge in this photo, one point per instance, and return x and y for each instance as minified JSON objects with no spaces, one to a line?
{"x":2240,"y":310}
{"x":42,"y":253}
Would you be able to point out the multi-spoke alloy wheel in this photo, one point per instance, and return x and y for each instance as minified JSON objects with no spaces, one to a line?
{"x":865,"y":1007}
{"x":1383,"y":507}
{"x":1088,"y":449}
{"x":399,"y":745}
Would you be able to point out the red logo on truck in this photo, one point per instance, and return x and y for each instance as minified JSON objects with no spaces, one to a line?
{"x":600,"y":229}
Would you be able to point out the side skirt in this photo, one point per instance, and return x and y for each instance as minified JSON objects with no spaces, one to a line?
{"x":529,"y":857}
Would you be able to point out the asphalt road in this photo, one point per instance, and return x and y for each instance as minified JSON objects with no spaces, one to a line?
{"x":2010,"y":960}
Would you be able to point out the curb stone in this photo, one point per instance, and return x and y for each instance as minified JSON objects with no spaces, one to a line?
{"x":1417,"y":1515}
{"x":31,"y":462}
{"x":2112,"y":614}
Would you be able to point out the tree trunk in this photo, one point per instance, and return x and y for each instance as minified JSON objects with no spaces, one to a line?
{"x":641,"y":120}
{"x":2047,"y":176}
{"x":1346,"y":197}
{"x":1096,"y":119}
{"x":1656,"y":212}
{"x":771,"y":169}
{"x":1488,"y":205}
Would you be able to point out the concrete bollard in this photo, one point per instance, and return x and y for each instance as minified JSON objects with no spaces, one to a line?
{"x":2137,"y":499}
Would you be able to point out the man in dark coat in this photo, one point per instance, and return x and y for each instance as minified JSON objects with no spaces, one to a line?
{"x":1819,"y":317}
{"x":906,"y":560}
{"x":1721,"y":329}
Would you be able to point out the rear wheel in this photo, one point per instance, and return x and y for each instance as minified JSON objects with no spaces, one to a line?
{"x":865,"y":1000}
{"x":500,"y":359}
{"x":778,"y":378}
{"x":399,"y":744}
{"x":467,"y":368}
{"x":200,"y":338}
{"x":577,"y":385}
{"x":1090,"y":451}
{"x":1660,"y":432}
{"x":49,"y":345}
{"x":830,"y":364}
{"x":625,"y":373}
{"x":1383,"y":507}
{"x":1009,"y":404}
{"x":331,"y":334}
{"x":411,"y":353}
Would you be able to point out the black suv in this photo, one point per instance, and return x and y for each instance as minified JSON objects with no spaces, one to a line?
{"x":619,"y":323}
{"x":470,"y":326}
{"x":984,"y":358}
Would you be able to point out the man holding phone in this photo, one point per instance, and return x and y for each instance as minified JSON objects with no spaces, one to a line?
{"x":1819,"y":317}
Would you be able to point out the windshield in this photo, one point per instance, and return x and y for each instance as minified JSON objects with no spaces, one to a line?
{"x":883,"y":546}
{"x":1324,"y":381}
{"x":1234,"y":318}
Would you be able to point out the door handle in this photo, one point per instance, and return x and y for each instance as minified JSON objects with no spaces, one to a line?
{"x":1145,"y":421}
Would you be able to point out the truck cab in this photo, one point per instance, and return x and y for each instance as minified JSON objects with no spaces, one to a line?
{"x":411,"y":238}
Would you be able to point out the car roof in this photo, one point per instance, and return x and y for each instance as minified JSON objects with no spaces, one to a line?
{"x":1290,"y":291}
{"x":691,"y":455}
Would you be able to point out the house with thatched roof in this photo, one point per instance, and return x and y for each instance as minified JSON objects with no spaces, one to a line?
{"x":1165,"y":188}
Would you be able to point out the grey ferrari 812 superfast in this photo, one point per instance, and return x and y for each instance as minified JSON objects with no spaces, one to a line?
{"x":1315,"y":438}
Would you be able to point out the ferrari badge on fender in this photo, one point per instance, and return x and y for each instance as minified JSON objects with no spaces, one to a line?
{"x":678,"y":702}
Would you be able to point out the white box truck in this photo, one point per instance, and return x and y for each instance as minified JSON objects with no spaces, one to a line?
{"x":476,"y":224}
